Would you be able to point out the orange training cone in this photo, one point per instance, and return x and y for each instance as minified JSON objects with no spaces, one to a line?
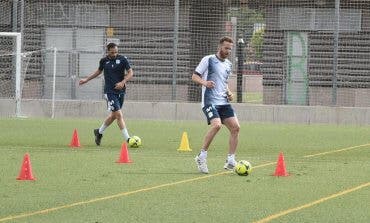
{"x":124,"y":157}
{"x":26,"y":169}
{"x":280,"y":170}
{"x":75,"y":142}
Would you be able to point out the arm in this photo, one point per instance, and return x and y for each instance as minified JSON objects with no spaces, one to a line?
{"x":121,"y":85}
{"x":91,"y":76}
{"x":197,"y":79}
{"x":201,"y":69}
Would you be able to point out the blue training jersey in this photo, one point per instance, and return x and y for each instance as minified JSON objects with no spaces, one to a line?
{"x":211,"y":68}
{"x":114,"y":72}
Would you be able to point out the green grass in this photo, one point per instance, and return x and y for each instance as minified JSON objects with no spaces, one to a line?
{"x":65,"y":176}
{"x":253,"y":97}
{"x":250,"y":97}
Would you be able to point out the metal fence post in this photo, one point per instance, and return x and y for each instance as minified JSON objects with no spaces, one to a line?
{"x":175,"y":46}
{"x":335,"y":53}
{"x":239,"y":77}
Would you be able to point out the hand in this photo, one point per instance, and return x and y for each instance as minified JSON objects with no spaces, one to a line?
{"x":230,"y":95}
{"x":119,"y":85}
{"x":82,"y":81}
{"x":210,"y":84}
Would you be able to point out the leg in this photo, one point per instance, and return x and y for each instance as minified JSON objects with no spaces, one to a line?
{"x":121,"y":124}
{"x":106,"y":123}
{"x":115,"y":103}
{"x":119,"y":117}
{"x":214,"y":120}
{"x":201,"y":158}
{"x":109,"y":119}
{"x":112,"y":106}
{"x":215,"y":127}
{"x":232,"y":124}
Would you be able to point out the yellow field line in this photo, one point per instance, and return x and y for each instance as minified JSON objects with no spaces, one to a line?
{"x":23,"y":215}
{"x":274,"y":216}
{"x":337,"y":151}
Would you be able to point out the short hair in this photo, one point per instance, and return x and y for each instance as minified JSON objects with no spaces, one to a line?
{"x":111,"y":45}
{"x":226,"y":39}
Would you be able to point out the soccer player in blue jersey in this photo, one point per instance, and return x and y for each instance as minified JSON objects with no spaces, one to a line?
{"x":213,"y":73}
{"x":117,"y":72}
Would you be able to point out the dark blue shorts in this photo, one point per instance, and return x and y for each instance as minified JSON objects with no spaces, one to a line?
{"x":218,"y":111}
{"x":114,"y":101}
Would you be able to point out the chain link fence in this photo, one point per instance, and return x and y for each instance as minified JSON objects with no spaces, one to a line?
{"x":295,"y":52}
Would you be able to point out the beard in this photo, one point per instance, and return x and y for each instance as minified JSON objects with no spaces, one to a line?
{"x":224,"y":55}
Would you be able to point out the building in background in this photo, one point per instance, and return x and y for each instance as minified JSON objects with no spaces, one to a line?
{"x":294,"y":52}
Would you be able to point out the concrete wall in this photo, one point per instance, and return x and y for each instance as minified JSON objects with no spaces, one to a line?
{"x":251,"y":83}
{"x":192,"y":111}
{"x":349,"y":97}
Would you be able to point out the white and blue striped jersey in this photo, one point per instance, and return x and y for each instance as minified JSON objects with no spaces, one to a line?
{"x":213,"y":69}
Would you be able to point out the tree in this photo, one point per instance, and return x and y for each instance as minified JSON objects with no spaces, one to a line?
{"x":257,"y":42}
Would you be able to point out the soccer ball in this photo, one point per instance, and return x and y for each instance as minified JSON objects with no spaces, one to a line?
{"x":134,"y":142}
{"x":243,"y":168}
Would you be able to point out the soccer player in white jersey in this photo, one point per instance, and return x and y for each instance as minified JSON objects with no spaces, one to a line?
{"x":213,"y":73}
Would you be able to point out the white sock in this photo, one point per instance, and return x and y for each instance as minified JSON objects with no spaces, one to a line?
{"x":231,"y":158}
{"x":102,"y":128}
{"x":202,"y":154}
{"x":125,"y":134}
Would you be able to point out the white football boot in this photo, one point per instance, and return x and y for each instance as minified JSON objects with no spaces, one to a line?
{"x":201,"y":164}
{"x":230,"y":165}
